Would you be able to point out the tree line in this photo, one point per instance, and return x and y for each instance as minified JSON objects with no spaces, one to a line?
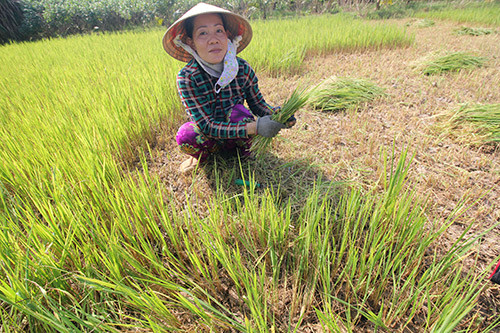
{"x":22,"y":20}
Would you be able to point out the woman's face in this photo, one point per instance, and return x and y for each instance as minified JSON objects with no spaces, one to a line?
{"x":209,"y":38}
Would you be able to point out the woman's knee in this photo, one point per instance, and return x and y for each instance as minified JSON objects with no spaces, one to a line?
{"x":186,"y":134}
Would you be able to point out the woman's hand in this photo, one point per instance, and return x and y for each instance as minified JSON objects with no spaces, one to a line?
{"x":267,"y":127}
{"x":252,"y":128}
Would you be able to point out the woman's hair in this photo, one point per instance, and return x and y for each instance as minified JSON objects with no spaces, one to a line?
{"x":189,"y":24}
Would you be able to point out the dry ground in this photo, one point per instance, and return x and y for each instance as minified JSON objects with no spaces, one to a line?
{"x":446,"y":169}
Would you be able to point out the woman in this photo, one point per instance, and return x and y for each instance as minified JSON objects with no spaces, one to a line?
{"x":215,"y":84}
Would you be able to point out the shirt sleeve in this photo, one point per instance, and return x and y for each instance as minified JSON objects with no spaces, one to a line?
{"x":253,"y":96}
{"x":198,"y":98}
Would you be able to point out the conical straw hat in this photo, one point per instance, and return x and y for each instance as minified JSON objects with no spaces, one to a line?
{"x":235,"y":25}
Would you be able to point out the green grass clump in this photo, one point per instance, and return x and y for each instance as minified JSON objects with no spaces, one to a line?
{"x":485,"y":118}
{"x":297,"y":100}
{"x":337,"y":94}
{"x":474,"y":31}
{"x":453,"y":62}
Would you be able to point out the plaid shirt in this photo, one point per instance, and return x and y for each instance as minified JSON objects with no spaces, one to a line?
{"x":211,"y":111}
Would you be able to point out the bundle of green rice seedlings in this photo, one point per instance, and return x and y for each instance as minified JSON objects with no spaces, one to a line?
{"x":337,"y":94}
{"x":474,"y":31}
{"x":485,"y":116}
{"x":424,"y":23}
{"x":297,"y":100}
{"x":453,"y":62}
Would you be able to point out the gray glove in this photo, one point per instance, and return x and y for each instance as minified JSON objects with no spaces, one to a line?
{"x":268,"y":127}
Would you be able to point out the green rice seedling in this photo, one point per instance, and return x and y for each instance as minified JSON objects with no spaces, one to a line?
{"x":485,"y":118}
{"x":453,"y":62}
{"x":336,"y":94}
{"x":297,"y":100}
{"x":474,"y":31}
{"x":425,"y":23}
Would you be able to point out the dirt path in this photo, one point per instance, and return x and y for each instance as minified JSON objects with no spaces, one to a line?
{"x":346,"y":146}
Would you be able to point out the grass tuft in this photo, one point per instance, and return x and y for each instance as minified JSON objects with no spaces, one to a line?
{"x":453,"y":62}
{"x":337,"y":94}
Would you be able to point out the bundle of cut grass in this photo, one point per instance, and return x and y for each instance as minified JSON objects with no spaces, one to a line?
{"x":453,"y":62}
{"x":297,"y":99}
{"x":337,"y":94}
{"x":486,"y":117}
{"x":424,"y":23}
{"x":474,"y":31}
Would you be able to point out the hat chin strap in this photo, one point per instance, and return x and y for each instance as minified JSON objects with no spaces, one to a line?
{"x":226,"y":70}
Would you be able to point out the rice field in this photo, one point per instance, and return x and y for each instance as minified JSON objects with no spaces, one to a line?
{"x":100,"y":233}
{"x":316,"y":35}
{"x":474,"y":12}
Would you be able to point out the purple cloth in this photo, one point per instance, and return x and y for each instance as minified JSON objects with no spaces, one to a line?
{"x":194,"y":143}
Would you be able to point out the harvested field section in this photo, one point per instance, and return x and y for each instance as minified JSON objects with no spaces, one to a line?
{"x":346,"y":146}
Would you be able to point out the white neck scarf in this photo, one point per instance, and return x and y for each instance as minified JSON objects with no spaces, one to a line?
{"x":226,"y":70}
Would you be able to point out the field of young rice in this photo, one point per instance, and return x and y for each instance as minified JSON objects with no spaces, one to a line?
{"x":91,"y":240}
{"x":478,"y":13}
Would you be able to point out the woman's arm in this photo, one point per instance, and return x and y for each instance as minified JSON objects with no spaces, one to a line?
{"x":253,"y":96}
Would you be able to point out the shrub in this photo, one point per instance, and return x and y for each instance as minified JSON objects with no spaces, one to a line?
{"x":10,"y":20}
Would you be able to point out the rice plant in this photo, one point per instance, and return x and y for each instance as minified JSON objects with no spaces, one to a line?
{"x":425,"y":23}
{"x":474,"y":31}
{"x":317,"y":35}
{"x":297,"y":100}
{"x":485,"y":118}
{"x":452,"y":62}
{"x":337,"y":94}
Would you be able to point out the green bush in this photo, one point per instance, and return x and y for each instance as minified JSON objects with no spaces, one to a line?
{"x":10,"y":20}
{"x":33,"y":25}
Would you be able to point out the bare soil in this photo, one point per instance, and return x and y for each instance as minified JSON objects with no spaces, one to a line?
{"x":450,"y":166}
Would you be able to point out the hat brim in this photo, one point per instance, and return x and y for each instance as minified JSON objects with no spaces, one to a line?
{"x":235,"y":25}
